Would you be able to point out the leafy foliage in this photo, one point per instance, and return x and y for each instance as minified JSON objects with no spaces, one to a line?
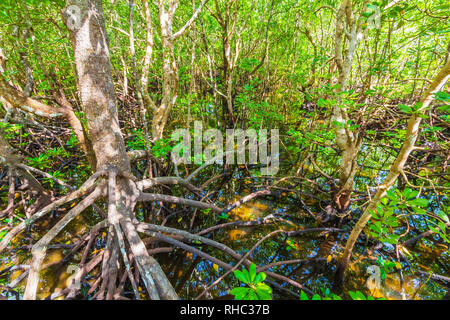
{"x":256,"y":288}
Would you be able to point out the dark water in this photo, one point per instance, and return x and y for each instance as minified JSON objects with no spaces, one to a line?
{"x":190,"y":275}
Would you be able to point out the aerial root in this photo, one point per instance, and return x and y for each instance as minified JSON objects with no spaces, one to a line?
{"x":124,"y":246}
{"x":116,"y":233}
{"x":156,"y":231}
{"x":85,"y":268}
{"x":124,"y":243}
{"x":40,"y":248}
{"x":87,"y":187}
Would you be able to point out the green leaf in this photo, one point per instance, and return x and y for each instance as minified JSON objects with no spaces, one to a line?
{"x":252,"y":270}
{"x":240,"y":292}
{"x":435,"y":230}
{"x":404,"y":108}
{"x":419,"y":202}
{"x":263,"y":295}
{"x":419,"y":210}
{"x":443,"y":216}
{"x":252,"y":295}
{"x":264,"y":287}
{"x":408,"y":193}
{"x":264,"y":292}
{"x":316,"y":297}
{"x":260,"y":277}
{"x":442,"y":96}
{"x":337,"y":124}
{"x":391,"y":195}
{"x":417,"y":106}
{"x":303,"y":295}
{"x":241,"y":276}
{"x":246,"y":276}
{"x":356,"y":295}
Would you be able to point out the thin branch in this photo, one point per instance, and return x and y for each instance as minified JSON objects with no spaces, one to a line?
{"x":190,"y":21}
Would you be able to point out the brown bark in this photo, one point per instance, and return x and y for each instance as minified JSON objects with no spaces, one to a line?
{"x":348,"y":142}
{"x":96,"y":86}
{"x":98,"y":99}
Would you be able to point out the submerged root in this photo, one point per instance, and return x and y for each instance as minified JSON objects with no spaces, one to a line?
{"x":40,"y":248}
{"x":125,"y":256}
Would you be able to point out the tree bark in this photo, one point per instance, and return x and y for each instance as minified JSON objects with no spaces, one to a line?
{"x":412,"y":132}
{"x":348,"y":142}
{"x":91,"y":52}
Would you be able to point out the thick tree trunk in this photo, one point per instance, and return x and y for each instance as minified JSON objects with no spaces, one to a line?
{"x":98,"y":99}
{"x":96,"y":86}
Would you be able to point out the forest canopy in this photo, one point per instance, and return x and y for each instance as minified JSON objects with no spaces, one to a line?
{"x":224,"y":149}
